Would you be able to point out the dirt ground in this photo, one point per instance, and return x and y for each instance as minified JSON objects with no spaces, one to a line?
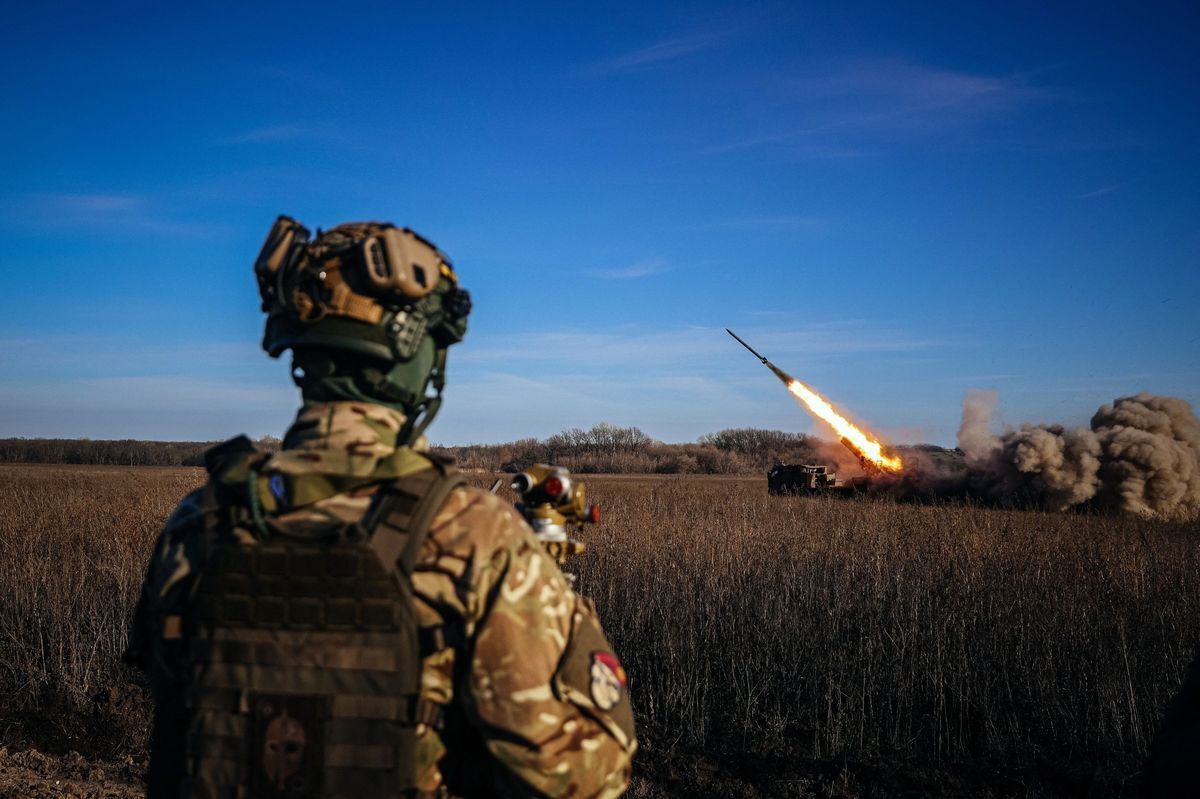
{"x":34,"y":775}
{"x":31,"y":774}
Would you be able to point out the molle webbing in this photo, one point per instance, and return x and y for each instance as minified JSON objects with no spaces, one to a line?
{"x":306,"y":657}
{"x":402,"y":515}
{"x":299,"y":587}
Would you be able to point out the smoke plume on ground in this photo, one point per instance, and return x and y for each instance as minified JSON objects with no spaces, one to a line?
{"x":1141,"y":454}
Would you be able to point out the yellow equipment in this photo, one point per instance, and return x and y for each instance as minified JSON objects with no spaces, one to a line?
{"x":556,"y":507}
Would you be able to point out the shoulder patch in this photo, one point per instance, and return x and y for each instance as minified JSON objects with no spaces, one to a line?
{"x":278,"y":487}
{"x":591,"y":677}
{"x":608,"y":680}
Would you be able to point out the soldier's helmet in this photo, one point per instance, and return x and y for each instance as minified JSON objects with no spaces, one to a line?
{"x":366,"y":298}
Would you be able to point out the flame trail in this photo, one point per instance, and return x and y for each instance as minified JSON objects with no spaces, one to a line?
{"x":859,"y":440}
{"x":862,"y":443}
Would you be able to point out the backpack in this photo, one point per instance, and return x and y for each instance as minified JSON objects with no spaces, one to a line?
{"x":304,"y":653}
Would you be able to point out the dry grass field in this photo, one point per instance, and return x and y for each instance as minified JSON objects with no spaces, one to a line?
{"x":777,"y":646}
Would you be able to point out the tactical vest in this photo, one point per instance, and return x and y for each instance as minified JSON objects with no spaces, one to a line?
{"x":304,"y":653}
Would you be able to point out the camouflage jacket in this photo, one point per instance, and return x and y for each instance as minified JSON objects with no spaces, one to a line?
{"x":536,"y":700}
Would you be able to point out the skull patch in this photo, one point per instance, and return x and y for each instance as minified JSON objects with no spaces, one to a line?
{"x":607,"y":680}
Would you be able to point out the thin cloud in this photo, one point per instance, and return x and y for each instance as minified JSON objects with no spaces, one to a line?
{"x":784,"y":222}
{"x":795,"y":143}
{"x":641,"y":269}
{"x":93,"y":203}
{"x":504,"y":406}
{"x":271,"y":133}
{"x":177,"y":393}
{"x":979,"y":379}
{"x":674,"y":385}
{"x":686,"y":347}
{"x":501,"y":406}
{"x":74,"y":206}
{"x":178,"y":407}
{"x":1103,"y":190}
{"x":874,"y":100}
{"x":907,"y":87}
{"x":123,"y":212}
{"x":309,"y":81}
{"x":96,"y":354}
{"x":661,"y":52}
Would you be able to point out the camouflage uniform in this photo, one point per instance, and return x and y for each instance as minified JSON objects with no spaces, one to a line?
{"x":535,"y":700}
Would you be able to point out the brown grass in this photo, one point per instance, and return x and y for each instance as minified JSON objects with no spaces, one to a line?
{"x":831,"y":629}
{"x":76,"y":541}
{"x":761,"y":632}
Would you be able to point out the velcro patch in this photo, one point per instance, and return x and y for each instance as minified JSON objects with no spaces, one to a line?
{"x":608,"y":680}
{"x":278,"y":489}
{"x":286,"y":751}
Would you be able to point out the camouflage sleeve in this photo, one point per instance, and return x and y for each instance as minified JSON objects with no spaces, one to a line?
{"x":173,"y":567}
{"x":155,"y":639}
{"x":545,"y":687}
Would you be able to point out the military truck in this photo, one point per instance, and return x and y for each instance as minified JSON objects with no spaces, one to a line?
{"x":787,"y":478}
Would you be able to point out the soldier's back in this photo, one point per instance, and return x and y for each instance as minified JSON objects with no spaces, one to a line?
{"x":290,"y":647}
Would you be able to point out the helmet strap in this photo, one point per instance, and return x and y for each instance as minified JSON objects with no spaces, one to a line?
{"x":383,"y":389}
{"x":423,"y":413}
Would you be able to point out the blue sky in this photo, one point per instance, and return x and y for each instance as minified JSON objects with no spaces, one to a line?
{"x":894,"y":204}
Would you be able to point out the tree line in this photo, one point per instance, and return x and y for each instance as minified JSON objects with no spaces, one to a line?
{"x":123,"y":452}
{"x":610,"y":449}
{"x":604,"y":448}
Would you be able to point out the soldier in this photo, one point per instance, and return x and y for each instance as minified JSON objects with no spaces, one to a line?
{"x":344,"y":618}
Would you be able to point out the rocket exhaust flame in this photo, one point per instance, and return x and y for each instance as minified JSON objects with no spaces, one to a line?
{"x":860,"y":442}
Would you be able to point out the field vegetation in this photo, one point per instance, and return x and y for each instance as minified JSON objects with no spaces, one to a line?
{"x":777,"y":646}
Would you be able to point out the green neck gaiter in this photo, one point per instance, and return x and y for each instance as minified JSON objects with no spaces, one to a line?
{"x":323,"y":378}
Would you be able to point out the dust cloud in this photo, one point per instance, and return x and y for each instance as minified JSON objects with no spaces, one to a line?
{"x":1141,"y":454}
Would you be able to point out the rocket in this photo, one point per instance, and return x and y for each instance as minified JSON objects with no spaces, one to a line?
{"x":865,"y":447}
{"x":782,"y":375}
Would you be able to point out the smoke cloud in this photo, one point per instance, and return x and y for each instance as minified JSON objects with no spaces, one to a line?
{"x":1141,"y":454}
{"x":974,"y":434}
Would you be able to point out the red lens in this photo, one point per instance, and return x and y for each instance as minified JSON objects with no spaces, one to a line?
{"x":594,"y":514}
{"x":553,"y":486}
